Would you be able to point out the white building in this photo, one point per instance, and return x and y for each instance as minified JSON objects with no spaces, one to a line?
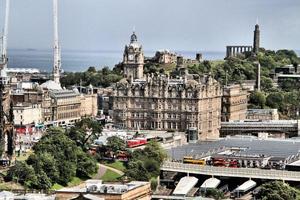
{"x":27,"y":114}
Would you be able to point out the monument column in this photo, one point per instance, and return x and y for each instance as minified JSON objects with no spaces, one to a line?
{"x":256,"y":39}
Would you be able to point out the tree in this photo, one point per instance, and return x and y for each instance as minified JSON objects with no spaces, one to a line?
{"x":258,"y":99}
{"x":86,"y":165}
{"x":275,"y":100}
{"x":57,"y":159}
{"x":153,"y":183}
{"x":44,"y":162}
{"x":214,"y":193}
{"x":276,"y":190}
{"x":22,"y":173}
{"x":85,"y":132}
{"x":116,"y":143}
{"x":145,"y":163}
{"x":154,"y":150}
{"x":92,"y":70}
{"x":152,"y":167}
{"x":43,"y":181}
{"x":266,"y":84}
{"x":67,"y":170}
{"x":137,"y":171}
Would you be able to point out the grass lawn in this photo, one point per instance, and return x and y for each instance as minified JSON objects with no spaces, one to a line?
{"x":74,"y":182}
{"x":110,"y":176}
{"x":117,"y":165}
{"x":24,"y":156}
{"x":56,"y":186}
{"x":10,"y":186}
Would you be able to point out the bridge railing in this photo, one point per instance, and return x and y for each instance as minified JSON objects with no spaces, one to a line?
{"x":232,"y":172}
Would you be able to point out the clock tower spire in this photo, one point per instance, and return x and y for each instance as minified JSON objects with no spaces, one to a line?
{"x":133,"y":59}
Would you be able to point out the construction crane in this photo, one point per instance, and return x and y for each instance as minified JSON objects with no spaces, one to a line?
{"x":4,"y":36}
{"x":56,"y":48}
{"x":4,"y":58}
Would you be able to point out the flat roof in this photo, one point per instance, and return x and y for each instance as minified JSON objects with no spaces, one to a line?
{"x":211,"y":183}
{"x":296,"y":163}
{"x":185,"y":185}
{"x":252,"y":146}
{"x":246,"y":186}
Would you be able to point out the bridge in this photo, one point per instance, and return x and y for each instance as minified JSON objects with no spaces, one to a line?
{"x":254,"y":173}
{"x":289,"y":127}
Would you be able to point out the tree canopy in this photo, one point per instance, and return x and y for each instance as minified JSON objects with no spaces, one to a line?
{"x":102,"y":78}
{"x":56,"y":159}
{"x":145,"y":163}
{"x":277,"y":190}
{"x":85,"y":132}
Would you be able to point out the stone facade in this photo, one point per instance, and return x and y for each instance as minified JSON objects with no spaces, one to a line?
{"x":57,"y":106}
{"x":262,"y":114}
{"x":164,"y":103}
{"x":165,"y":57}
{"x":236,"y":50}
{"x":256,"y":39}
{"x":133,"y":59}
{"x":115,"y":191}
{"x":7,"y":135}
{"x":28,"y":114}
{"x":89,"y":105}
{"x":234,"y":103}
{"x":65,"y":106}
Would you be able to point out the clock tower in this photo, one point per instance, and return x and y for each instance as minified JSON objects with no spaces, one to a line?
{"x":133,"y":59}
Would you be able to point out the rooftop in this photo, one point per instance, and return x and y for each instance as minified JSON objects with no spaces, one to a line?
{"x":96,"y":186}
{"x":246,"y":186}
{"x":250,"y":146}
{"x":185,"y":185}
{"x":211,"y":183}
{"x":51,"y":85}
{"x":23,"y":70}
{"x":63,"y":93}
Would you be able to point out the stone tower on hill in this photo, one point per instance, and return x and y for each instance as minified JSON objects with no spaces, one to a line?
{"x":256,"y":39}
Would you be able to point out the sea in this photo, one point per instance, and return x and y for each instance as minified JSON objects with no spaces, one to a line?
{"x":78,"y":61}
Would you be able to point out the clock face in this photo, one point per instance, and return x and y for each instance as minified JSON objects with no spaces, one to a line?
{"x":130,"y":57}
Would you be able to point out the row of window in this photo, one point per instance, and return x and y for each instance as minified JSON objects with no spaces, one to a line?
{"x":167,"y":125}
{"x":69,"y":107}
{"x":68,"y":115}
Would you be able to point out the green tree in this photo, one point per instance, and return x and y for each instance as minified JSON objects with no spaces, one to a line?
{"x":86,"y":166}
{"x":92,"y":70}
{"x":116,"y":143}
{"x":145,"y":163}
{"x":155,"y":151}
{"x":275,"y":100}
{"x":258,"y":99}
{"x":44,"y":162}
{"x":266,"y":84}
{"x":276,"y":190}
{"x":22,"y":173}
{"x":215,"y":194}
{"x":43,"y":181}
{"x":67,"y":170}
{"x":85,"y":132}
{"x":137,"y":171}
{"x":154,"y":183}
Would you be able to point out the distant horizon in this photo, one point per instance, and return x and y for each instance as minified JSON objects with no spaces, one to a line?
{"x":145,"y":50}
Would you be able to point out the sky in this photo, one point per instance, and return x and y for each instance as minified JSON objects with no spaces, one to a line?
{"x":195,"y":25}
